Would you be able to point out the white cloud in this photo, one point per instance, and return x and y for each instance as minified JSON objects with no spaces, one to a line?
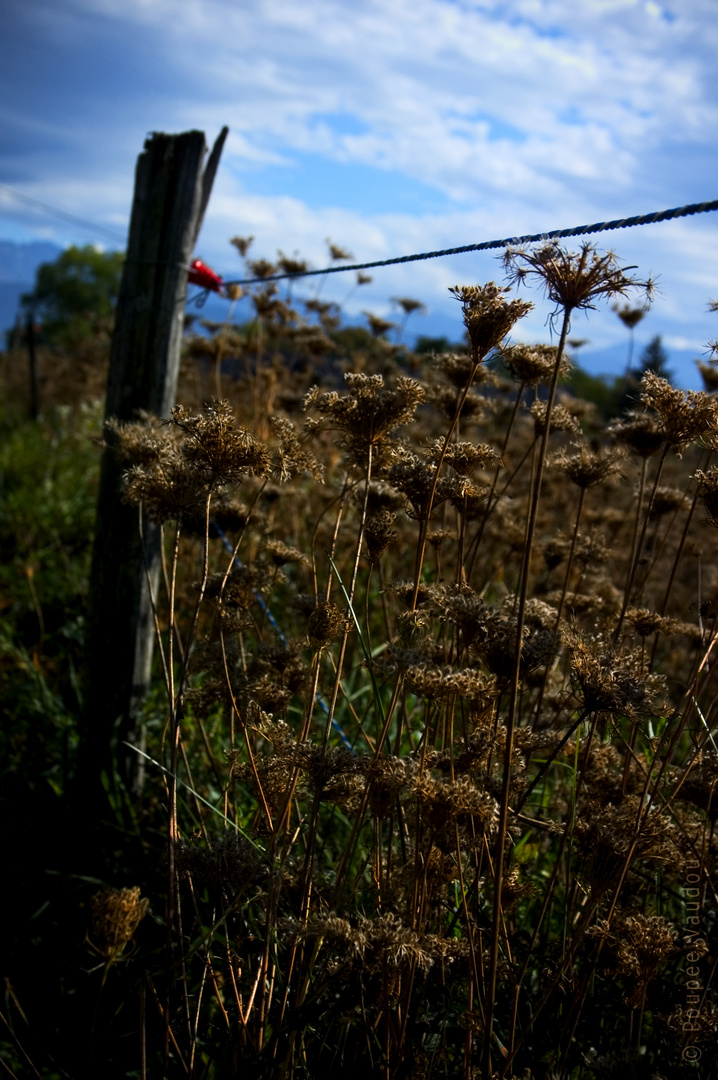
{"x":521,"y":117}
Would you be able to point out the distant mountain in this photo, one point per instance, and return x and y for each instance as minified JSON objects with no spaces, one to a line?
{"x":18,"y":263}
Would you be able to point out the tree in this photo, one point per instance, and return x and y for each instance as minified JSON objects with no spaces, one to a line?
{"x":75,"y":295}
{"x":654,"y":358}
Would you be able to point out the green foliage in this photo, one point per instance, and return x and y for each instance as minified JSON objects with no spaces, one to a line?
{"x":426,"y":344}
{"x":48,"y":482}
{"x":77,"y":292}
{"x":603,"y":391}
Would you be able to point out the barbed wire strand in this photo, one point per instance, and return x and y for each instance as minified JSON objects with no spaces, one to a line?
{"x":487,"y":245}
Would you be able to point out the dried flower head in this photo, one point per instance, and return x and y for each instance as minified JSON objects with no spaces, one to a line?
{"x":169,"y":487}
{"x":242,"y":244}
{"x":639,"y":948}
{"x":532,"y":364}
{"x":337,"y":253}
{"x":379,"y":534}
{"x":606,"y":683}
{"x":116,"y":914}
{"x":324,"y":623}
{"x":640,"y":432}
{"x":415,"y":477}
{"x":488,"y":315}
{"x":377,"y":325}
{"x":369,"y":412}
{"x":630,"y":316}
{"x":573,"y":280}
{"x":708,"y":488}
{"x":230,"y":861}
{"x":463,"y":457}
{"x":291,"y":458}
{"x":407,"y":305}
{"x":709,"y":375}
{"x":588,"y":467}
{"x":562,"y":419}
{"x":216,"y":446}
{"x":686,"y":415}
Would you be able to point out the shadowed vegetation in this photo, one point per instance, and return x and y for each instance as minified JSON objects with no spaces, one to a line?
{"x":430,"y":767}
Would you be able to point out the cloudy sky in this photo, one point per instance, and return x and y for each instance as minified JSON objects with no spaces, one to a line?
{"x":389,"y":128}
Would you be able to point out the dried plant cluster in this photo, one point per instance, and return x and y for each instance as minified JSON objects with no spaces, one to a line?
{"x":439,"y":657}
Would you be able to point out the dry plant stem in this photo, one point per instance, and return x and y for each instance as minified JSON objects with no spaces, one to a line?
{"x":19,"y":1047}
{"x":143,"y":1030}
{"x":171,"y":1035}
{"x":569,"y":562}
{"x":635,"y":555}
{"x":490,"y":504}
{"x":674,"y":567}
{"x":208,"y":959}
{"x":335,"y":691}
{"x":352,"y":586}
{"x":424,"y":525}
{"x":165,"y":578}
{"x":513,"y":701}
{"x":548,"y":893}
{"x":153,"y":604}
{"x":220,"y":352}
{"x":644,"y":801}
{"x":549,"y":761}
{"x":562,"y":601}
{"x":172,"y":897}
{"x":247,"y":741}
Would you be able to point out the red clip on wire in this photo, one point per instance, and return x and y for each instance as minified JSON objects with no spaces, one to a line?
{"x":199,"y":274}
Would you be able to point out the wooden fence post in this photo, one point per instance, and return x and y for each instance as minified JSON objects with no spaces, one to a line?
{"x":171,"y":196}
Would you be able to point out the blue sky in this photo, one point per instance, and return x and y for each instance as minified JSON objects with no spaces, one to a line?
{"x":389,"y":128}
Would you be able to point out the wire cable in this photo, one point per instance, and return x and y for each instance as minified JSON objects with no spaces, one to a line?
{"x":486,"y":245}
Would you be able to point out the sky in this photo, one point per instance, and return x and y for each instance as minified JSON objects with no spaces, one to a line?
{"x":389,"y":129}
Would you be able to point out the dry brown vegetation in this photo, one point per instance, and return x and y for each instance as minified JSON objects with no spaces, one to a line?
{"x":436,"y":766}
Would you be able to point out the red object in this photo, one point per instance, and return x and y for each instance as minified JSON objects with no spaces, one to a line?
{"x":199,"y":274}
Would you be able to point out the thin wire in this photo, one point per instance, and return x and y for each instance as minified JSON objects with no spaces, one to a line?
{"x":511,"y":241}
{"x":62,"y":214}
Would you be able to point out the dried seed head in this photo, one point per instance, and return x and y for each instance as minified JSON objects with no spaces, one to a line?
{"x":170,"y":488}
{"x":709,"y":374}
{"x":379,"y":534}
{"x":324,"y":623}
{"x":562,"y":419}
{"x":415,"y":477}
{"x":640,"y":432}
{"x":291,"y":458}
{"x":242,"y":244}
{"x":214,"y":445}
{"x":116,"y":914}
{"x":407,"y":305}
{"x":369,"y":412}
{"x":488,"y":315}
{"x":708,"y":488}
{"x":281,"y":553}
{"x":630,"y":316}
{"x":532,"y":364}
{"x":666,"y":500}
{"x":377,"y":325}
{"x":587,"y":467}
{"x":573,"y":280}
{"x":686,"y":415}
{"x":463,"y":457}
{"x":227,"y":862}
{"x":605,"y":683}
